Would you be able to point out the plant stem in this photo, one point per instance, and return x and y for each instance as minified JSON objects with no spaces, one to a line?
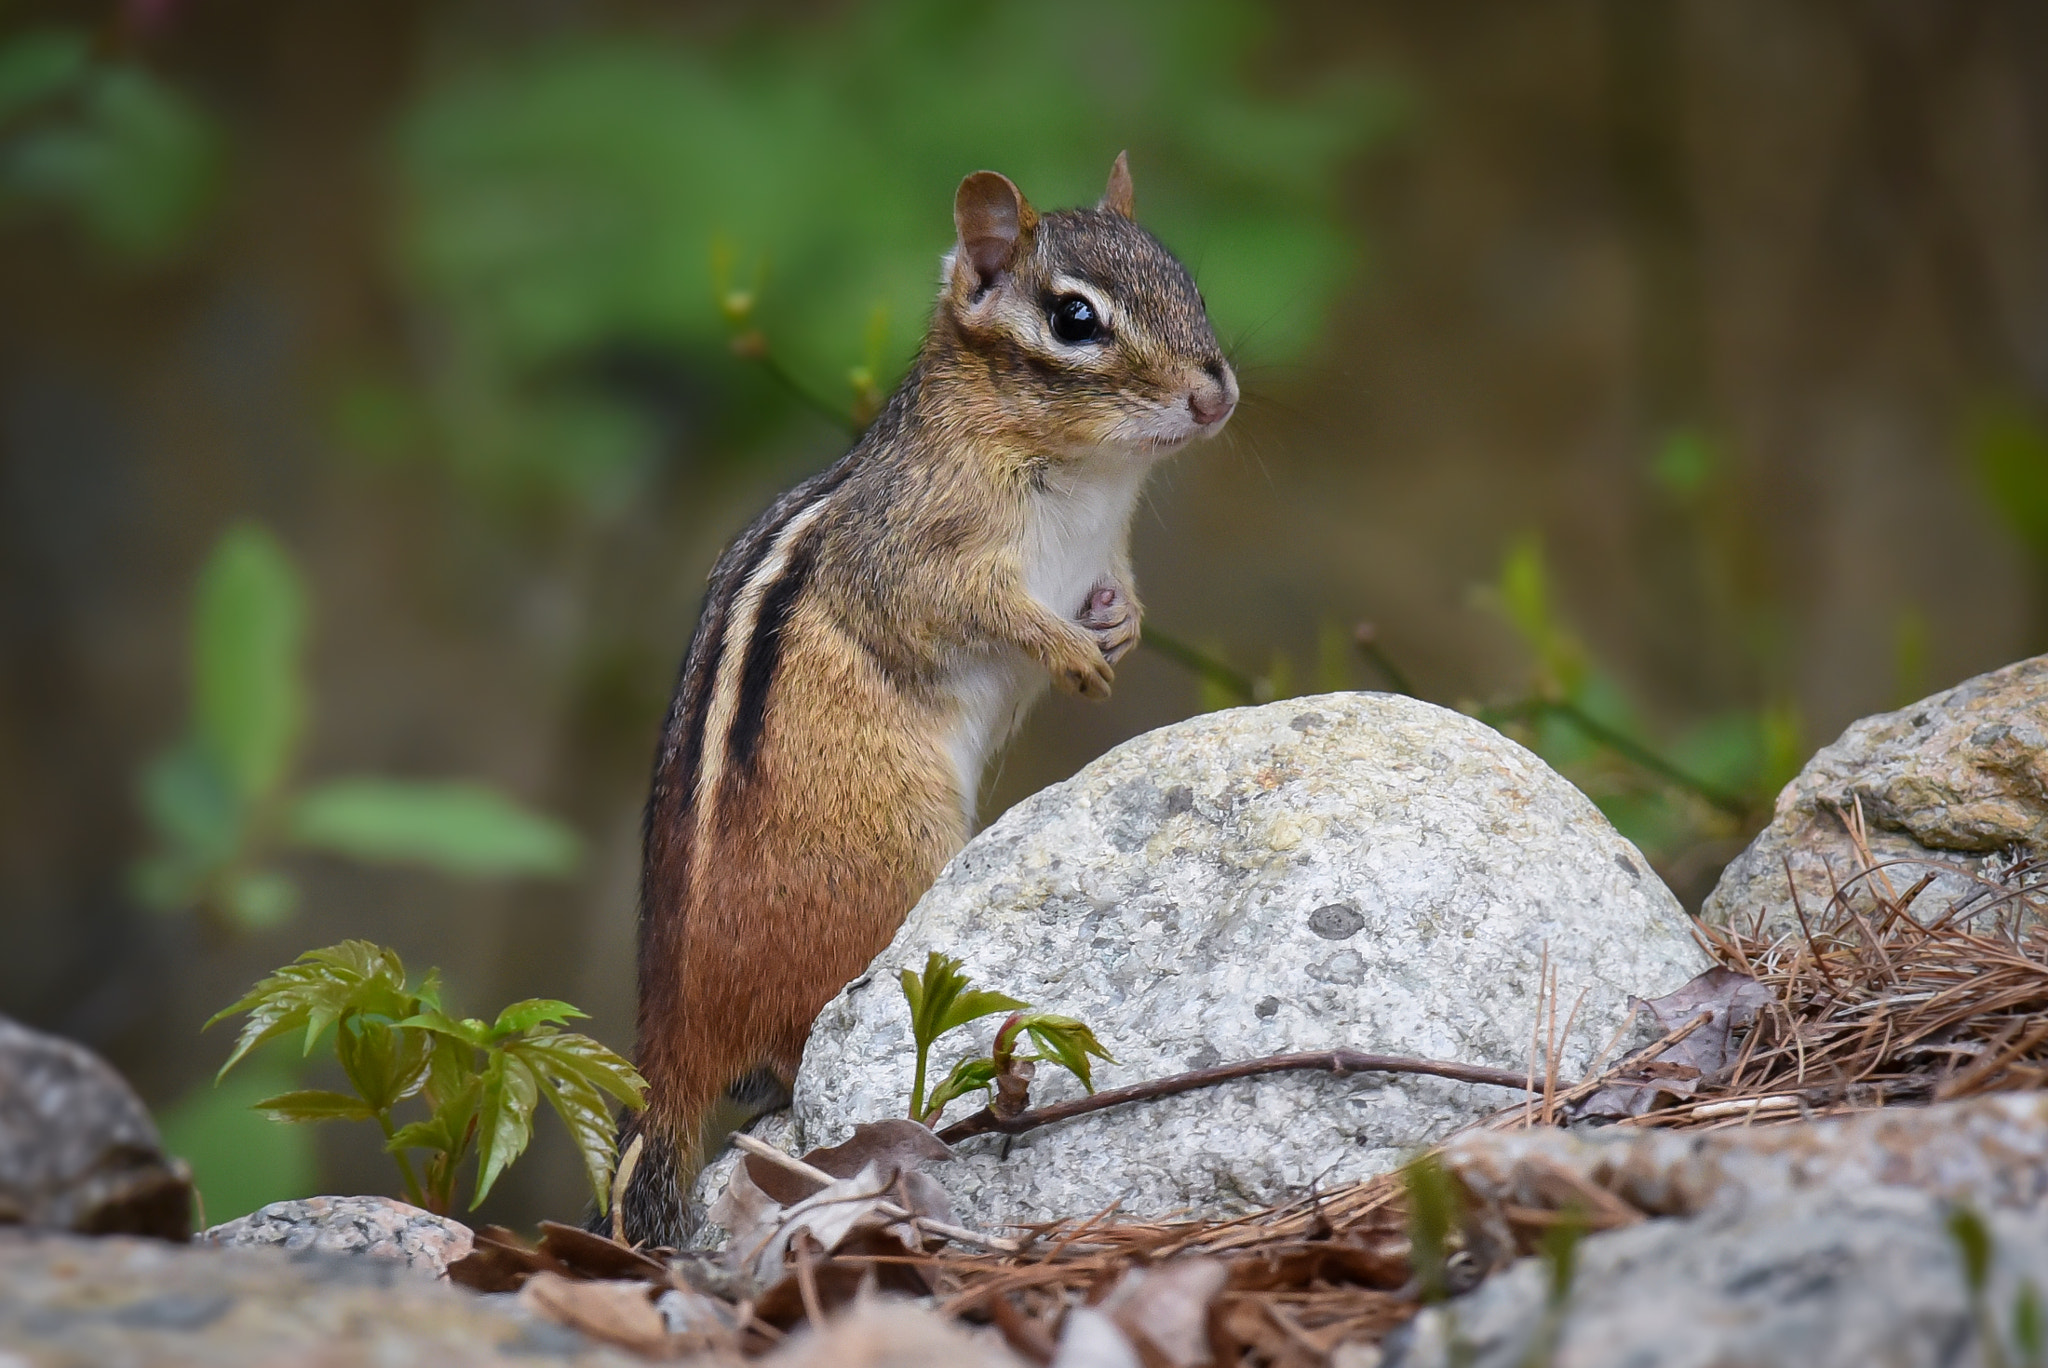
{"x":412,"y":1184}
{"x":453,"y":1162}
{"x":1202,"y":663}
{"x":1367,"y":637}
{"x":924,"y":1053}
{"x":1627,"y":747}
{"x":802,"y":393}
{"x":1340,"y":1062}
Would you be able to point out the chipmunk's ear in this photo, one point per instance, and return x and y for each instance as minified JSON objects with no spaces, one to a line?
{"x":993,"y":219}
{"x":1116,"y":196}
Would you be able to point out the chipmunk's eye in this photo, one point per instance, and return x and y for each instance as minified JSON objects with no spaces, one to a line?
{"x":1074,"y":319}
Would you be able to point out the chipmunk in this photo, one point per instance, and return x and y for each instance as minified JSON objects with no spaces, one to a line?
{"x":880,"y":630}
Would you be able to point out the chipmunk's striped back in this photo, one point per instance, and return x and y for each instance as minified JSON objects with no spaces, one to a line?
{"x":869,"y":641}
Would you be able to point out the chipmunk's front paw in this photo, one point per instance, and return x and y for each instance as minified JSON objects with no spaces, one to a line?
{"x":1112,"y":619}
{"x":1083,"y":670}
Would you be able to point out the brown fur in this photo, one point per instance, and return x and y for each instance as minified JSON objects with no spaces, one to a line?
{"x":809,"y":785}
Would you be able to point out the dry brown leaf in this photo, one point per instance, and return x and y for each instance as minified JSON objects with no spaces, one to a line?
{"x":621,"y":1313}
{"x":1729,"y":1001}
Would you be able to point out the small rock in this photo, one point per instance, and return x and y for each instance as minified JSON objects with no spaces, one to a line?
{"x":374,"y":1226}
{"x":1385,"y":877}
{"x":78,"y":1150}
{"x":65,"y":1300}
{"x":1960,"y":778}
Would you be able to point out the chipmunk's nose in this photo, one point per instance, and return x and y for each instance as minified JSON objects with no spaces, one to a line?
{"x":1214,"y":395}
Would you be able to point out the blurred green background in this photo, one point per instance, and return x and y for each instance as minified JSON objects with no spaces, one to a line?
{"x":1664,"y":380}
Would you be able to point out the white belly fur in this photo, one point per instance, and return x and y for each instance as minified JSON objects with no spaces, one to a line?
{"x":1076,"y":531}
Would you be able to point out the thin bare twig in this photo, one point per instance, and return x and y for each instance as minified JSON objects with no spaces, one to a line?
{"x":1340,"y":1062}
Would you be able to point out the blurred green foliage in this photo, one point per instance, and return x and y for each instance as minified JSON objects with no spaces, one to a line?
{"x":2008,"y":445}
{"x":1436,"y":1216}
{"x":565,"y":204}
{"x":132,"y":161}
{"x":222,"y":801}
{"x":241,"y":1160}
{"x":1703,"y":783}
{"x":1977,"y":1250}
{"x":480,"y":1081}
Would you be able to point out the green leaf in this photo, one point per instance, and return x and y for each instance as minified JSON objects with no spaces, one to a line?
{"x":973,"y":1006}
{"x":2008,"y":444}
{"x":567,"y":1054}
{"x":313,"y":991}
{"x":36,"y":66}
{"x":165,"y":883}
{"x":458,"y":828}
{"x":1973,"y":1241}
{"x":583,"y":1109}
{"x":447,"y":1130}
{"x":1523,"y":596}
{"x":1685,"y":462}
{"x":1435,"y":1211}
{"x":468,"y":1030}
{"x":967,"y":1076}
{"x":248,"y":631}
{"x":262,"y":899}
{"x":385,"y":1063}
{"x":1066,"y":1042}
{"x":129,"y":157}
{"x":430,"y":1134}
{"x":191,"y":805}
{"x":505,"y":1117}
{"x":451,"y":1068}
{"x":939,"y":999}
{"x":2027,"y":1330}
{"x":575,"y":1073}
{"x":316,"y":1105}
{"x":523,"y":1016}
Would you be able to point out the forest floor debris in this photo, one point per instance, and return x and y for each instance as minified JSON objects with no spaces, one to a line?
{"x":1875,"y":1002}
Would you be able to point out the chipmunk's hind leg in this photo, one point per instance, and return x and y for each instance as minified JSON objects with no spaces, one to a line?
{"x":754,"y":1093}
{"x":654,"y":1208}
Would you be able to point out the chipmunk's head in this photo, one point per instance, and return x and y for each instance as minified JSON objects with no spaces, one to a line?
{"x":1086,"y":328}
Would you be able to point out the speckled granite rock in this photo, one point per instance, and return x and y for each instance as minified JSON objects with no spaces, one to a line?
{"x":1817,"y":1243}
{"x":377,"y":1227}
{"x":77,"y":1148}
{"x":67,"y":1302}
{"x":1353,"y":870}
{"x":1991,"y":1152}
{"x":1823,"y":1279}
{"x":1959,"y":777}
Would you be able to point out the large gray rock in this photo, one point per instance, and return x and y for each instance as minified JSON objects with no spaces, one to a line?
{"x":77,"y":1148}
{"x":69,"y":1301}
{"x":1819,"y":1243}
{"x":1823,"y":1279}
{"x":1984,"y":1152}
{"x":1959,"y":779}
{"x":1356,"y":870}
